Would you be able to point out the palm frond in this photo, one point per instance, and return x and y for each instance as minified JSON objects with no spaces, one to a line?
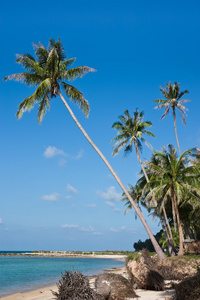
{"x":28,"y":78}
{"x":30,"y":64}
{"x":30,"y":101}
{"x":43,"y":107}
{"x":74,"y":73}
{"x":77,"y":97}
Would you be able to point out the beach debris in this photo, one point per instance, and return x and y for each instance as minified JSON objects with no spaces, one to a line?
{"x":178,"y":267}
{"x":74,"y":285}
{"x":189,"y":288}
{"x":145,"y":272}
{"x":114,"y":287}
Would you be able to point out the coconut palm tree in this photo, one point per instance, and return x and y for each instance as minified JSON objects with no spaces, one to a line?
{"x":173,"y":178}
{"x":172,"y":101}
{"x":130,"y":132}
{"x":49,"y":72}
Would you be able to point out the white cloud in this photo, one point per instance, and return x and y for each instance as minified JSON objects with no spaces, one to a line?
{"x":79,"y":155}
{"x":71,"y":189}
{"x":97,"y":233}
{"x":51,"y":197}
{"x":70,"y":226}
{"x":118,"y":230}
{"x":1,"y":222}
{"x":116,"y":209}
{"x":78,"y":227}
{"x":52,"y":151}
{"x":87,"y":229}
{"x":90,"y":205}
{"x":114,"y":230}
{"x":111,"y":194}
{"x":110,"y":203}
{"x":62,"y":162}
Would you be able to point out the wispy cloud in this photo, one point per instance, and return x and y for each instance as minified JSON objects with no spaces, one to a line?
{"x":110,"y":203}
{"x":1,"y":222}
{"x":118,"y":230}
{"x":70,"y":226}
{"x":79,"y":228}
{"x":51,"y":197}
{"x":79,"y":155}
{"x":52,"y":151}
{"x":111,"y":194}
{"x":114,"y":230}
{"x":71,"y":189}
{"x":97,"y":233}
{"x":87,"y":229}
{"x":62,"y":162}
{"x":116,"y":209}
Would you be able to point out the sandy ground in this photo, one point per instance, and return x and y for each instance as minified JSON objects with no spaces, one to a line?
{"x":46,"y":292}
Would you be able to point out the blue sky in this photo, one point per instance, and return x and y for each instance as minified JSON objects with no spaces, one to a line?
{"x":55,"y":191}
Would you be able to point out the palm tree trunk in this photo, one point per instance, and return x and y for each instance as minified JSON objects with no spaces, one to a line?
{"x":157,"y":248}
{"x":163,"y":224}
{"x":174,"y":114}
{"x":140,"y":161}
{"x":174,"y":215}
{"x":170,"y":247}
{"x":181,"y":251}
{"x":169,"y":228}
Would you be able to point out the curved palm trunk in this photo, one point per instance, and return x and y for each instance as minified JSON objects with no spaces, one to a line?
{"x":180,"y":252}
{"x":174,"y":114}
{"x":157,"y":248}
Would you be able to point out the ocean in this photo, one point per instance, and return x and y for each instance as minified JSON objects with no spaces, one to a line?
{"x":18,"y":274}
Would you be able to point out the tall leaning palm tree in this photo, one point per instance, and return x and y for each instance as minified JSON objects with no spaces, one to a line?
{"x":172,"y":101}
{"x":131,"y":132}
{"x":49,"y":72}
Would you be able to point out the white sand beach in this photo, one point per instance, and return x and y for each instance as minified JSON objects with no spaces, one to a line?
{"x":45,"y":293}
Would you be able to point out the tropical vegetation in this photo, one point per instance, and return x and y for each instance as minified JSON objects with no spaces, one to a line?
{"x":169,"y":184}
{"x":49,"y":71}
{"x":172,"y":101}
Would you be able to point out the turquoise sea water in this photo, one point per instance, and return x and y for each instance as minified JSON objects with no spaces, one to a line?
{"x":19,"y":274}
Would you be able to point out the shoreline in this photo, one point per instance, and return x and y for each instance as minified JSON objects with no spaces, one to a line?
{"x":45,"y":293}
{"x":44,"y":289}
{"x":66,"y":254}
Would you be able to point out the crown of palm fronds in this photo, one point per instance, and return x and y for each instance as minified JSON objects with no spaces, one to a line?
{"x":48,"y":72}
{"x":172,"y":100}
{"x":130,"y":131}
